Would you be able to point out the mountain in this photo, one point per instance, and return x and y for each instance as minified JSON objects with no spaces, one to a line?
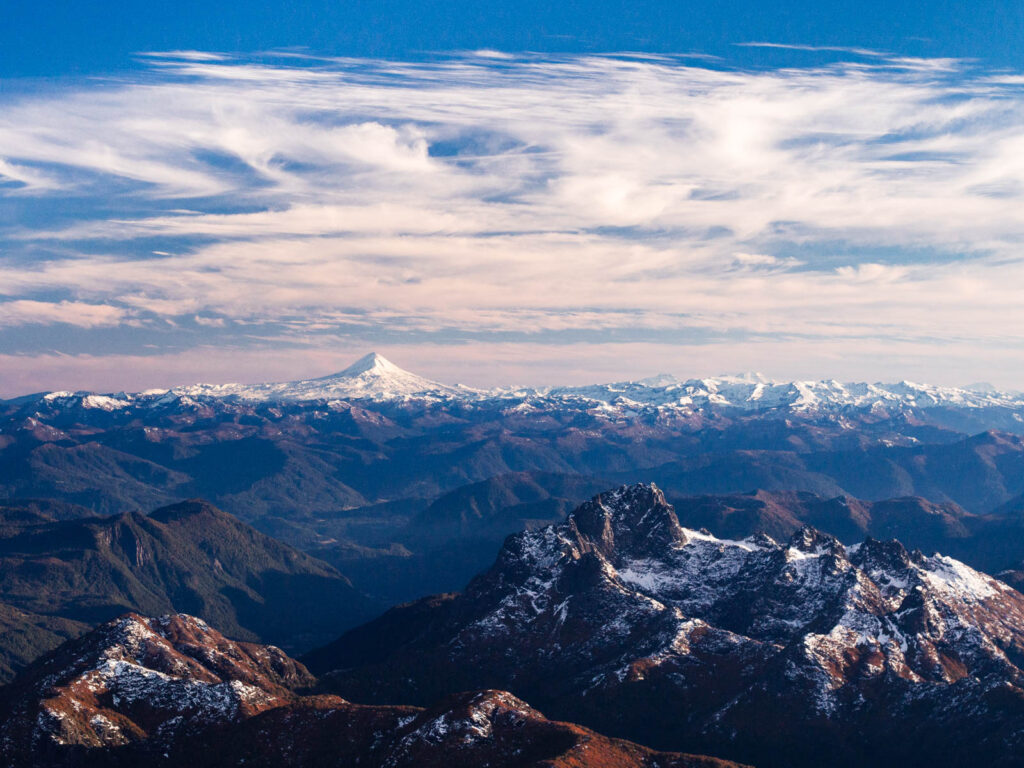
{"x":172,"y":691}
{"x":375,"y":378}
{"x":503,"y":504}
{"x":1013,"y":508}
{"x":371,"y":377}
{"x":288,"y":457}
{"x":785,"y":655}
{"x":978,"y":473}
{"x":135,"y":679}
{"x":189,"y":556}
{"x":753,"y":392}
{"x":292,"y":466}
{"x":16,"y":514}
{"x":24,"y":636}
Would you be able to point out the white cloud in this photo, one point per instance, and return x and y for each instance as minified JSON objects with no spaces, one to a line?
{"x":27,"y":312}
{"x":500,"y":194}
{"x":186,"y":55}
{"x":817,"y":48}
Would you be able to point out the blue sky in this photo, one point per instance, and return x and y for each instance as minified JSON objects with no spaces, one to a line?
{"x":538,"y":193}
{"x":54,"y":38}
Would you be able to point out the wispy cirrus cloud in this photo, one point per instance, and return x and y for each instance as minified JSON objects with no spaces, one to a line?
{"x":818,"y":48}
{"x":490,"y":199}
{"x":77,"y":313}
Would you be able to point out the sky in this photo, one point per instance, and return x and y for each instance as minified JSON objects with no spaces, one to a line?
{"x":510,"y":193}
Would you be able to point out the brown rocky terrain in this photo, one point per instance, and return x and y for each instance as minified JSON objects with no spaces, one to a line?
{"x":173,"y":691}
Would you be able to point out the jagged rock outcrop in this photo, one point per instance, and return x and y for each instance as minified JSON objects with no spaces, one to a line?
{"x":772,"y":653}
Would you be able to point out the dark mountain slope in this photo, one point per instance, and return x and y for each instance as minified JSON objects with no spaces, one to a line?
{"x":24,"y":636}
{"x":441,"y":545}
{"x":18,"y":514}
{"x":89,"y":473}
{"x":501,"y":505}
{"x":189,"y":556}
{"x":978,"y":473}
{"x":275,"y":463}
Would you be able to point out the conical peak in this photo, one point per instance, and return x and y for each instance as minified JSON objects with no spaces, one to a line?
{"x":371,"y":363}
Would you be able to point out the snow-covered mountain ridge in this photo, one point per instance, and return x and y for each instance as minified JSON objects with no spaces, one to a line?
{"x":373,"y":378}
{"x":751,"y":648}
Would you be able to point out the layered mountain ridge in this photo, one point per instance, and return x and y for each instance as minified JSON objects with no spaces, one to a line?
{"x":291,"y":467}
{"x":375,"y":378}
{"x":623,"y":620}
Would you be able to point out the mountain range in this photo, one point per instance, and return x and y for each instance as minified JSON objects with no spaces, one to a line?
{"x":375,"y":378}
{"x":787,"y":655}
{"x":172,"y":691}
{"x":402,"y":483}
{"x":752,"y":604}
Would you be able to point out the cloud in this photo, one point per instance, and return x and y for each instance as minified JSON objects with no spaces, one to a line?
{"x":489,"y":196}
{"x":186,"y":55}
{"x":818,"y":48}
{"x":27,"y":312}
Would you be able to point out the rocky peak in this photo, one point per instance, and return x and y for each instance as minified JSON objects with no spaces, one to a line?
{"x":811,"y":541}
{"x":759,"y":539}
{"x":630,"y":521}
{"x":621,"y":619}
{"x":484,"y":719}
{"x":875,"y":555}
{"x":135,"y":678}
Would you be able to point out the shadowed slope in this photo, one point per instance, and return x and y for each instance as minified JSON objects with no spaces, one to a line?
{"x":189,"y":556}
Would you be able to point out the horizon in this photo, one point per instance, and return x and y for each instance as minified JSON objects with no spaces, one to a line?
{"x":746,"y":376}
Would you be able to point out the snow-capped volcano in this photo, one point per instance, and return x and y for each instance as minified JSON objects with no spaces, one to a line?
{"x":371,"y":377}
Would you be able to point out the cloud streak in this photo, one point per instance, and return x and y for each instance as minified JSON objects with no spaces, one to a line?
{"x":27,"y":312}
{"x":519,"y":196}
